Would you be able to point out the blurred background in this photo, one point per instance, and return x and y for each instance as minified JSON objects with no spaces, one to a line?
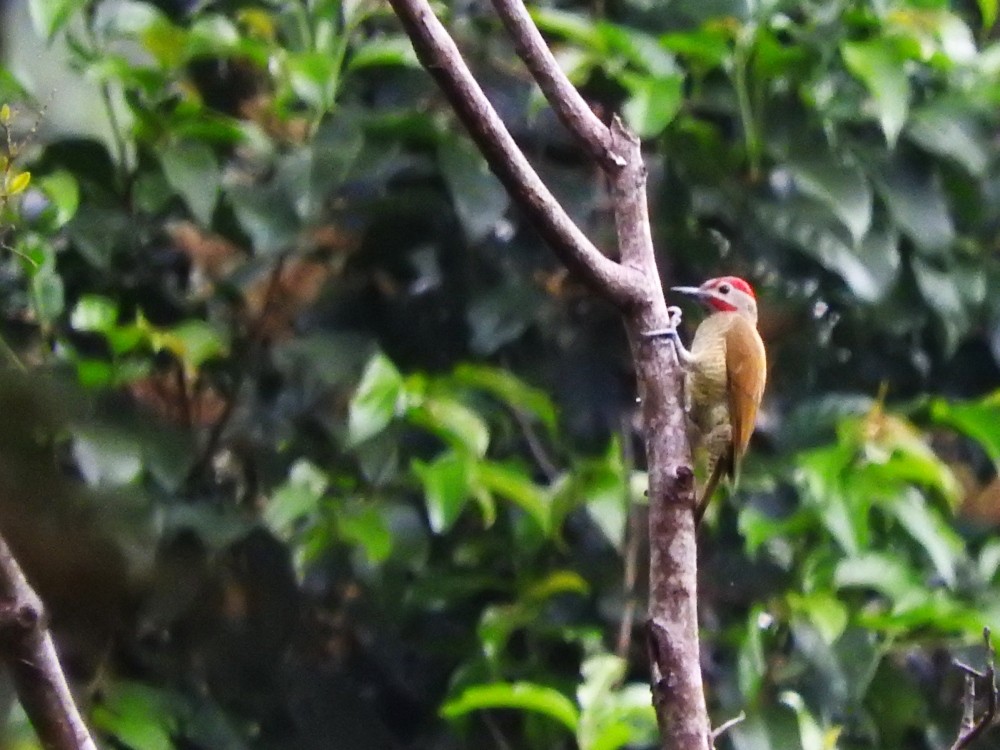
{"x":309,"y":442}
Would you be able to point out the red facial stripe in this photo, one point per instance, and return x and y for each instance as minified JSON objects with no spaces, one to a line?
{"x":735,"y":282}
{"x":720,"y":304}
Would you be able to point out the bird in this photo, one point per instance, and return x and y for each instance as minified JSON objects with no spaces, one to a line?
{"x":725,"y":373}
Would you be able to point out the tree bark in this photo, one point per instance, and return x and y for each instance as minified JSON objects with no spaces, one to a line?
{"x":633,"y":285}
{"x":27,"y":649}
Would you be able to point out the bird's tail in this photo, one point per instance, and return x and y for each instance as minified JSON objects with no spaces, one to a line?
{"x":725,"y":465}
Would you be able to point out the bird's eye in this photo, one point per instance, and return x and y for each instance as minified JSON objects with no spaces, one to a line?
{"x":724,"y":289}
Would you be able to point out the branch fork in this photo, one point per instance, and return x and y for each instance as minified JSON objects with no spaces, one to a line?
{"x":632,"y":283}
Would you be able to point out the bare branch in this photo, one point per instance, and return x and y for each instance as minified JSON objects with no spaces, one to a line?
{"x":970,"y":727}
{"x":634,"y":284}
{"x":438,"y":53}
{"x":27,"y":648}
{"x":571,"y":108}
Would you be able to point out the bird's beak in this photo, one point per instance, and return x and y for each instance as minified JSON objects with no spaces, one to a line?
{"x":691,"y":290}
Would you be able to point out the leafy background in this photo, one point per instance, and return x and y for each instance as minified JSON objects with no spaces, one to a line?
{"x":308,"y":441}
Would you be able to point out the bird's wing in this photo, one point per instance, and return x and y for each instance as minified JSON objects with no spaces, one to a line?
{"x":746,"y":368}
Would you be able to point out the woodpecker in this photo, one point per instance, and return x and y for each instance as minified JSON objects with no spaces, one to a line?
{"x":725,"y":371}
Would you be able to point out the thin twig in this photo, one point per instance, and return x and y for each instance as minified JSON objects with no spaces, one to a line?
{"x":970,"y":727}
{"x":571,"y":108}
{"x":727,"y":725}
{"x":27,"y":648}
{"x":535,"y":446}
{"x":439,"y":55}
{"x":253,"y":344}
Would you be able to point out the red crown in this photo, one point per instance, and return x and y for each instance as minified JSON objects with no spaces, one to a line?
{"x":734,"y":281}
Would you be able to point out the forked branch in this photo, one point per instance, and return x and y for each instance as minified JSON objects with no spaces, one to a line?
{"x":439,"y":55}
{"x":634,"y":286}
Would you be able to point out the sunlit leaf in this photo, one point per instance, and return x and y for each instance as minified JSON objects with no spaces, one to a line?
{"x":811,"y":735}
{"x":878,"y":63}
{"x":377,"y":400}
{"x":653,"y":102}
{"x":94,"y":313}
{"x":514,"y":485}
{"x":139,"y":716}
{"x":930,"y":530}
{"x":453,"y":421}
{"x":523,"y":696}
{"x":18,"y":183}
{"x":297,"y":497}
{"x":447,"y":489}
{"x":50,"y":16}
{"x":365,"y":526}
{"x":980,"y":420}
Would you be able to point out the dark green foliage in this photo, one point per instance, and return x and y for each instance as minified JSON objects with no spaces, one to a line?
{"x":310,"y":442}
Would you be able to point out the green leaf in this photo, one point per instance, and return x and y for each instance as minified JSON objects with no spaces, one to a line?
{"x":708,"y":46}
{"x":299,"y":496}
{"x":453,"y":422}
{"x":751,"y":666}
{"x":513,"y":484}
{"x":912,"y":189}
{"x":94,"y":313}
{"x":881,"y":572}
{"x":63,"y":190}
{"x":193,"y":171}
{"x":827,"y":613}
{"x":988,"y":12}
{"x":106,"y":457}
{"x":365,"y":526}
{"x":47,"y":294}
{"x":479,"y":198}
{"x":570,"y":26}
{"x":313,"y":78}
{"x":523,"y":696}
{"x":446,"y":489}
{"x":879,"y":64}
{"x":980,"y":420}
{"x":384,"y":51}
{"x":139,"y":716}
{"x":810,"y":735}
{"x":266,"y":213}
{"x":869,"y":269}
{"x":942,"y":293}
{"x":193,"y":342}
{"x":376,"y":402}
{"x":50,"y":16}
{"x":944,"y":129}
{"x":942,"y":545}
{"x":653,"y":102}
{"x":611,"y":717}
{"x":842,"y":187}
{"x":510,"y":389}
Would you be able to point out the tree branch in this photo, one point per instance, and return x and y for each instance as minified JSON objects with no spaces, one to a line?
{"x":571,"y":108}
{"x":634,"y":285}
{"x":27,"y":648}
{"x":438,"y":53}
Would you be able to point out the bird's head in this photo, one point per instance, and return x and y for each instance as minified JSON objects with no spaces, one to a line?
{"x":725,"y":294}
